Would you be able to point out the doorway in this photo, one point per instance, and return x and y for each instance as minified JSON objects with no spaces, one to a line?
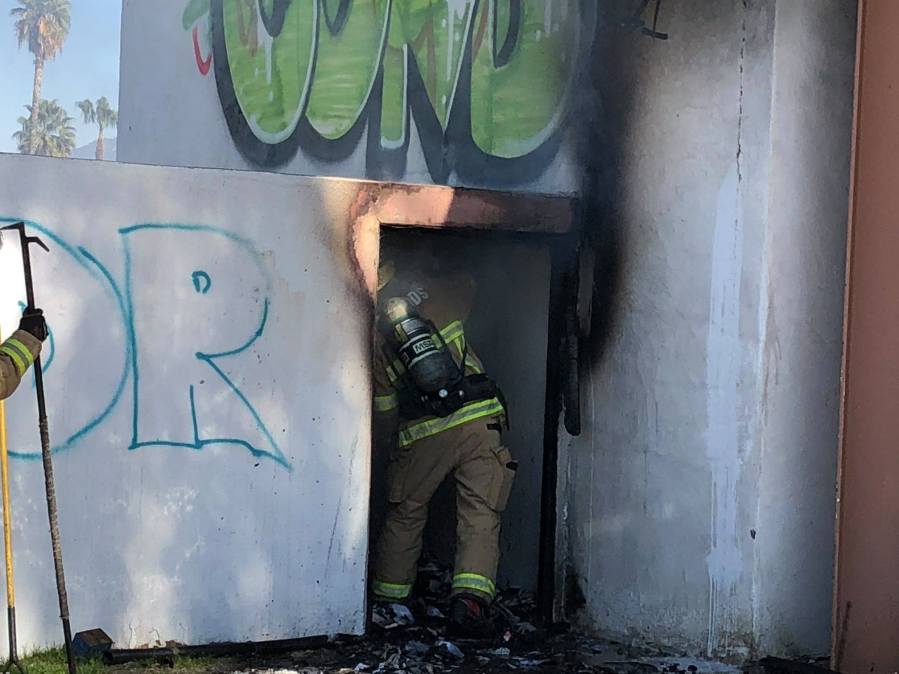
{"x":508,"y":328}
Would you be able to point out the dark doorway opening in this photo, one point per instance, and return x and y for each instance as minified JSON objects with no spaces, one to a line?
{"x":516,"y":326}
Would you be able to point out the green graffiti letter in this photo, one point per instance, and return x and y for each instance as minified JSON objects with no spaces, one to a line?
{"x":434,"y":33}
{"x":350,"y":41}
{"x":394,"y":98}
{"x":522,"y":70}
{"x":193,"y":12}
{"x":271,"y":47}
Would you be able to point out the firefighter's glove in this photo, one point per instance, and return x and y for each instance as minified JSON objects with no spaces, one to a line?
{"x":33,"y":323}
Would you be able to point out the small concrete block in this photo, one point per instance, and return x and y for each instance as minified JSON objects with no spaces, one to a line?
{"x":91,"y":643}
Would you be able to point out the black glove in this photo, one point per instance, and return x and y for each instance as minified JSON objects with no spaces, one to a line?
{"x":33,"y":323}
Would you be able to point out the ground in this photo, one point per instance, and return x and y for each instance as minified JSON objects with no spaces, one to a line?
{"x":413,"y":639}
{"x":397,"y":645}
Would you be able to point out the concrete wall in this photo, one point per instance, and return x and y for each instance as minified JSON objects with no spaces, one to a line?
{"x":811,"y":129}
{"x":459,"y":92}
{"x":209,"y":421}
{"x":701,"y":494}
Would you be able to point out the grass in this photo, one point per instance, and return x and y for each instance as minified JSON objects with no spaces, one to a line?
{"x":53,"y":661}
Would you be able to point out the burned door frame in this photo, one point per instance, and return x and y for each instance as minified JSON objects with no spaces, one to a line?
{"x":553,"y":219}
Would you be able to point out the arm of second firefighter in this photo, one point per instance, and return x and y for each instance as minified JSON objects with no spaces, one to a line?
{"x":16,"y":355}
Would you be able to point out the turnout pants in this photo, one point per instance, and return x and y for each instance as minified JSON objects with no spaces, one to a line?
{"x":483,"y":471}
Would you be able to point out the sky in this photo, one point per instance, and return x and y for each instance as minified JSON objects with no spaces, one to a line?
{"x":87,"y":67}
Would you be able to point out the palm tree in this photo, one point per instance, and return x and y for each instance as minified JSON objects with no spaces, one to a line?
{"x":44,"y":26}
{"x":49,"y":132}
{"x":100,"y":114}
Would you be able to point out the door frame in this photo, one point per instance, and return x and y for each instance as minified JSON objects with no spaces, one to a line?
{"x":398,"y":205}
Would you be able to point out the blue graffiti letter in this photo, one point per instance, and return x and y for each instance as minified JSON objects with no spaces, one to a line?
{"x":194,"y":341}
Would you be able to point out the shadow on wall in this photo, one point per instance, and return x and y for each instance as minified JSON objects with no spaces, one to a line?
{"x":606,"y":105}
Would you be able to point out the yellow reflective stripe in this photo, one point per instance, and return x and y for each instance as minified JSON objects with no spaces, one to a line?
{"x":26,"y":353}
{"x":20,"y":349}
{"x":391,"y":590}
{"x":15,"y":357}
{"x":386,"y":403}
{"x":425,"y":429}
{"x":472,"y":363}
{"x":474,"y":581}
{"x":452,"y":332}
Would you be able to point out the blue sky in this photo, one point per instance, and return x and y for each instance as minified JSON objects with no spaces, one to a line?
{"x":87,"y":67}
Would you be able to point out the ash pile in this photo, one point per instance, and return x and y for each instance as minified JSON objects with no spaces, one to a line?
{"x":413,"y":638}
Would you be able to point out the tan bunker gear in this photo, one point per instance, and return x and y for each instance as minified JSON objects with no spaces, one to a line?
{"x":466,"y":444}
{"x":16,"y":355}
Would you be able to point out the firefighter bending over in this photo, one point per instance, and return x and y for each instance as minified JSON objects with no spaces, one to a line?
{"x":19,"y":351}
{"x":441,"y":415}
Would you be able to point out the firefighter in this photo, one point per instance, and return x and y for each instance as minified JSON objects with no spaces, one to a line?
{"x":441,"y":416}
{"x":19,"y":351}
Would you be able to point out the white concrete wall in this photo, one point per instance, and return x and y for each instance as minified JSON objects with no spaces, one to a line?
{"x":208,"y":398}
{"x":701,"y":494}
{"x":810,"y":135}
{"x":201,"y":91}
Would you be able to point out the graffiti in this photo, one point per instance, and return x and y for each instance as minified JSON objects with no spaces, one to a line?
{"x":195,"y":11}
{"x":187,"y":380}
{"x":83,"y":418}
{"x":202,"y":282}
{"x":486,"y":83}
{"x":201,"y":350}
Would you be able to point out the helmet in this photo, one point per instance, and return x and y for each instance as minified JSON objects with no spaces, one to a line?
{"x":385,"y":274}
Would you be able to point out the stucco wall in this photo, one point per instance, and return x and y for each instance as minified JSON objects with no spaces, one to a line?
{"x":208,"y":399}
{"x":460,"y":92}
{"x":807,"y":216}
{"x":701,"y":494}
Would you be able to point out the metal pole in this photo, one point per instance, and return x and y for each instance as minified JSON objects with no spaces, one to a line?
{"x":46,"y":455}
{"x":13,"y":660}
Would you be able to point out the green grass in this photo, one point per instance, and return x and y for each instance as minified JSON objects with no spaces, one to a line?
{"x":53,"y":661}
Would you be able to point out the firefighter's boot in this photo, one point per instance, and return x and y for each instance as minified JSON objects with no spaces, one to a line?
{"x":469,"y":617}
